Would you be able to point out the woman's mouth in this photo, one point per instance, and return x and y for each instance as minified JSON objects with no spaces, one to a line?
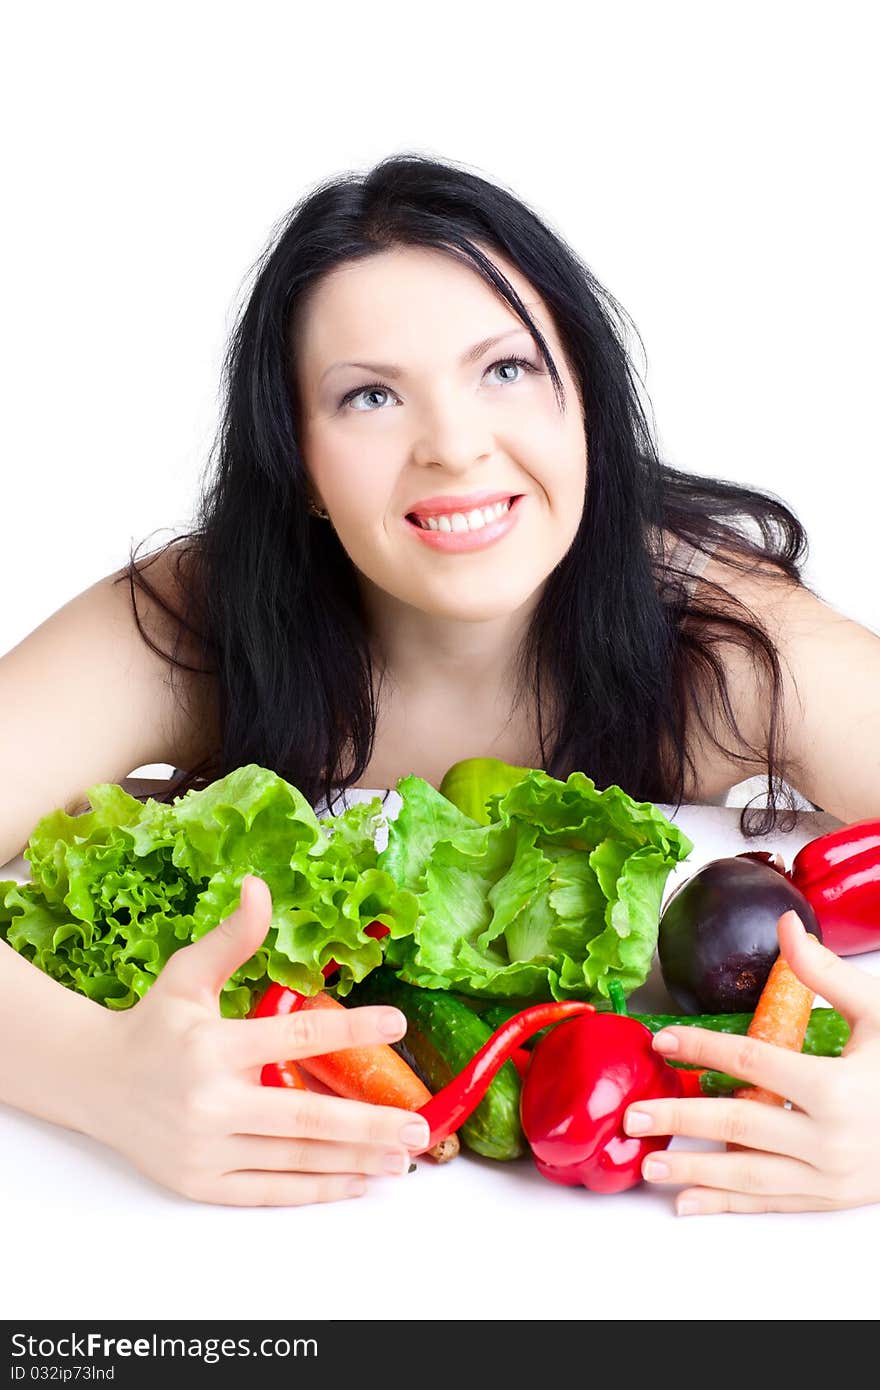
{"x":458,"y":531}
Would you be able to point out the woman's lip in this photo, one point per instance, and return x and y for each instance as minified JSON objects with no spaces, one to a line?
{"x":436,"y":506}
{"x":470,"y":540}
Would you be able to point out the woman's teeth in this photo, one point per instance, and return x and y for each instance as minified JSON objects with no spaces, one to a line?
{"x":470,"y":521}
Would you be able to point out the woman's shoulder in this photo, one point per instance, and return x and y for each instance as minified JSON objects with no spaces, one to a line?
{"x":829,"y":672}
{"x":724,"y":590}
{"x":715,"y":572}
{"x":87,"y":700}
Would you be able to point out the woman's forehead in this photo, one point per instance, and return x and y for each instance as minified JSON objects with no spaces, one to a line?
{"x":386,"y":298}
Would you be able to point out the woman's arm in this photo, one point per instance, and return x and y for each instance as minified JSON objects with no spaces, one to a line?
{"x":830,"y":670}
{"x":85,"y":700}
{"x":168,"y":1083}
{"x":50,"y":1039}
{"x":831,"y":666}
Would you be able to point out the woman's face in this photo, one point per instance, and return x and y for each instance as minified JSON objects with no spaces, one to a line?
{"x":377,"y":444}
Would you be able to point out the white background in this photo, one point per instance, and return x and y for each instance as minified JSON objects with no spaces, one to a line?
{"x":715,"y":166}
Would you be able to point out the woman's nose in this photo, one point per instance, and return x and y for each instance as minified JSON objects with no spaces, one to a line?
{"x":455,"y":436}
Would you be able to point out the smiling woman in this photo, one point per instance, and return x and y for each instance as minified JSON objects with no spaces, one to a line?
{"x":361,"y":614}
{"x":461,"y":424}
{"x":438,"y":528}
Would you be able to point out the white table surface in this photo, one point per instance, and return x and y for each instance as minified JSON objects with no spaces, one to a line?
{"x":85,"y":1235}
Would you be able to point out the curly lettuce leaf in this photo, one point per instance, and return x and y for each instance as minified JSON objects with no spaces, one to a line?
{"x":116,"y":891}
{"x":556,"y":895}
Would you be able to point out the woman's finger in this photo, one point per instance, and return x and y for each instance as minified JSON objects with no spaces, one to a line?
{"x":797,"y":1077}
{"x":705,"y":1201}
{"x":764,"y":1127}
{"x":199,"y":971}
{"x":251,"y":1042}
{"x":754,"y":1173}
{"x":251,"y":1151}
{"x":259,"y":1189}
{"x":849,"y":989}
{"x":263,"y":1110}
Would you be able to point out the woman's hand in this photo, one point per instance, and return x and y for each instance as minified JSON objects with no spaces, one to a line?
{"x":181,"y":1097}
{"x":824,"y":1153}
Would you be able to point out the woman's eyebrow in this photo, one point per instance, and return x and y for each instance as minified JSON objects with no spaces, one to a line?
{"x":469,"y":355}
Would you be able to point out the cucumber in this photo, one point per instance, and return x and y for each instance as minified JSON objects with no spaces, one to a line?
{"x":442,"y":1035}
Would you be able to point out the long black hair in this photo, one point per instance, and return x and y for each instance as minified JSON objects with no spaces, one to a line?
{"x":629,"y":654}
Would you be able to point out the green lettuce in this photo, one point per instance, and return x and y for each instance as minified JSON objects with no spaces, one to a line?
{"x":116,"y":891}
{"x":558,"y":893}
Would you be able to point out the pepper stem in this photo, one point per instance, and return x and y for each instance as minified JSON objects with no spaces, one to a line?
{"x":617,"y":997}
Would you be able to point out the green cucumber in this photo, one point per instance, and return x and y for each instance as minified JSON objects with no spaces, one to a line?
{"x":442,"y":1035}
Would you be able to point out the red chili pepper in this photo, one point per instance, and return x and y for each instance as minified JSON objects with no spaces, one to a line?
{"x":278,"y":1000}
{"x":689,"y":1078}
{"x":520,"y":1057}
{"x":839,"y":875}
{"x":449,"y":1108}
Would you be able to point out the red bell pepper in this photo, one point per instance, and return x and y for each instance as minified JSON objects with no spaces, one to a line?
{"x":583,"y":1075}
{"x":839,"y":875}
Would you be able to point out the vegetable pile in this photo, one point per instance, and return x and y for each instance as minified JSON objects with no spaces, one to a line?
{"x":556,"y":896}
{"x":507,"y":900}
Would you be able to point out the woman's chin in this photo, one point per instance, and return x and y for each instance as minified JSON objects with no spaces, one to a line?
{"x":468,"y":607}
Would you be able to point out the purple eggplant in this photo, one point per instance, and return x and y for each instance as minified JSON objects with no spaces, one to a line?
{"x":718,"y":938}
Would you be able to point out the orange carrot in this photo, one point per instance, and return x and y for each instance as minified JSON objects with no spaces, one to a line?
{"x":375,"y":1073}
{"x":781,"y":1017}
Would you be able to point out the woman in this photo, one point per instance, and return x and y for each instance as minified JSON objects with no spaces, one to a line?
{"x":348,"y":611}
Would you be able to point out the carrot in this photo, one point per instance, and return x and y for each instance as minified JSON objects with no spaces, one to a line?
{"x":376,"y":1074}
{"x":781,"y":1017}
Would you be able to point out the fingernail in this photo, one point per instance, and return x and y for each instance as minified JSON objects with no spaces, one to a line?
{"x":355,"y":1188}
{"x":665,"y":1042}
{"x":396,"y":1161}
{"x":654,"y":1168}
{"x":687,"y":1207}
{"x":392,"y":1024}
{"x":636,"y":1122}
{"x":415,"y":1135}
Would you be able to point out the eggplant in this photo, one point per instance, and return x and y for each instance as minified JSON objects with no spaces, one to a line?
{"x":717,"y":938}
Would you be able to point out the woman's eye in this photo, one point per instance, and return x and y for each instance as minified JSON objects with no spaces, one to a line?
{"x":375,"y":386}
